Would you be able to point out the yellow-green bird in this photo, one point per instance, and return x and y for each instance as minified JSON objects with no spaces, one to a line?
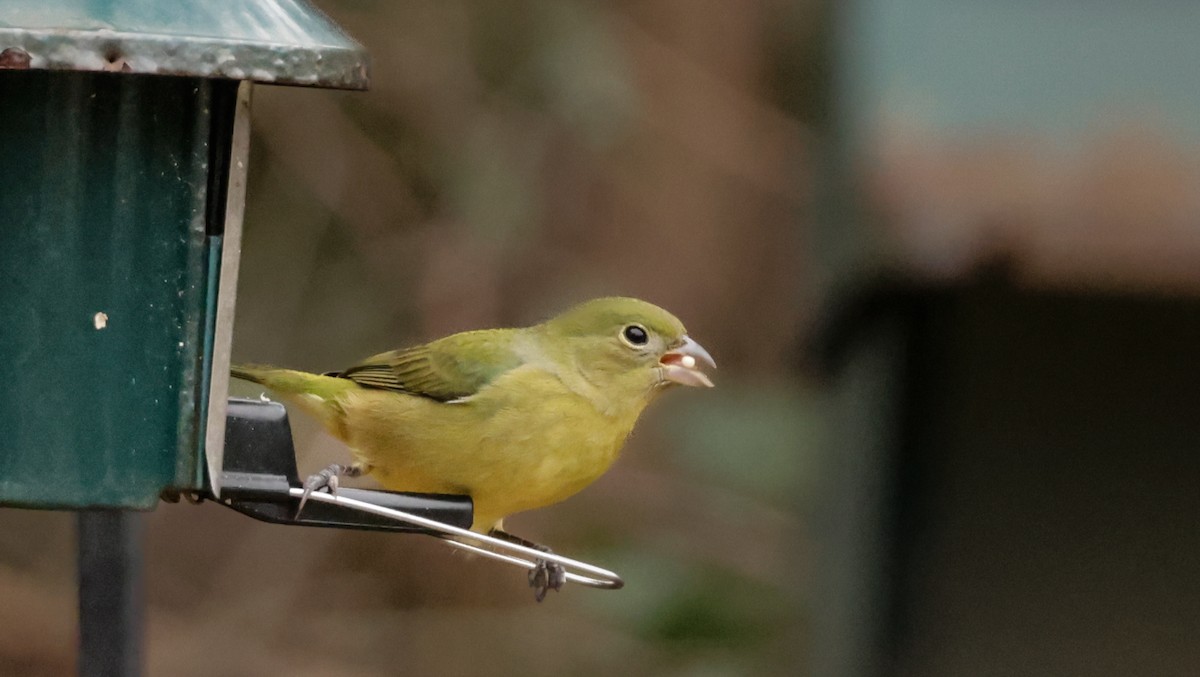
{"x":515,"y":418}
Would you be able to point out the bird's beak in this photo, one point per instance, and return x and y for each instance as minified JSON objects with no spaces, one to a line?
{"x":679,"y":364}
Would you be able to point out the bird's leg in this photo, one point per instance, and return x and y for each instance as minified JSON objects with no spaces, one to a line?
{"x":546,"y":576}
{"x":328,"y":479}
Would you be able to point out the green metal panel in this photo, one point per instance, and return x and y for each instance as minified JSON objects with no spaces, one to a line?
{"x":279,"y":41}
{"x":106,"y":238}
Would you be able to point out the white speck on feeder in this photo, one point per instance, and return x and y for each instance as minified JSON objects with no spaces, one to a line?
{"x":100,"y":320}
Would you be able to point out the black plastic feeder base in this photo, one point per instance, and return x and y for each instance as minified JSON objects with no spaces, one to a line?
{"x":260,"y":469}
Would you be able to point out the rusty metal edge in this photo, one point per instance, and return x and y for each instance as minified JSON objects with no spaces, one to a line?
{"x":329,"y":66}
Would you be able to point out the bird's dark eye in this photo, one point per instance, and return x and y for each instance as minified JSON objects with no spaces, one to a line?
{"x":635,"y":335}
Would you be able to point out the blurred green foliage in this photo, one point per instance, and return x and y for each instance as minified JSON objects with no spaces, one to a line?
{"x":757,"y":438}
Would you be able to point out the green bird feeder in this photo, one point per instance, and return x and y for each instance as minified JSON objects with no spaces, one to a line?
{"x":124,"y":138}
{"x":124,"y":131}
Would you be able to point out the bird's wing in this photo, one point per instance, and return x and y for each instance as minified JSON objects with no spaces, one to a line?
{"x":447,"y":369}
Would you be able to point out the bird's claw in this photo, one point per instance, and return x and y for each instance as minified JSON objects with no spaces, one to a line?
{"x":326,"y":479}
{"x":543,"y":577}
{"x":546,"y":576}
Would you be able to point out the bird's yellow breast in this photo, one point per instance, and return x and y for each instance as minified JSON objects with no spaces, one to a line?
{"x":507,"y":455}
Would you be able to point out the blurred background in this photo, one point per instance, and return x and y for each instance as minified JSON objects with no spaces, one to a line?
{"x":944,"y":252}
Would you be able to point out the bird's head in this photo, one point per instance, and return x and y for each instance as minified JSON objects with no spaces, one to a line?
{"x":631,"y":343}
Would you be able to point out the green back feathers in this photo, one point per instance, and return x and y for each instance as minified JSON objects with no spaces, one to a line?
{"x":447,"y":369}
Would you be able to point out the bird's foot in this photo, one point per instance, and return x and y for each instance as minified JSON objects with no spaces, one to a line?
{"x":327,"y":479}
{"x":544,"y":577}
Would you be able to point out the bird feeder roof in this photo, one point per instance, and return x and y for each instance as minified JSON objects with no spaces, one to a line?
{"x":272,"y":41}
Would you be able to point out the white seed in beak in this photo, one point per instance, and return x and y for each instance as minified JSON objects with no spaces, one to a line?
{"x":679,"y":365}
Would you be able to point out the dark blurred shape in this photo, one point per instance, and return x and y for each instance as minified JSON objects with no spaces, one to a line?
{"x":1024,"y":498}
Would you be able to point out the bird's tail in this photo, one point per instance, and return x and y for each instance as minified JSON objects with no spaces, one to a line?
{"x":250,"y":372}
{"x":316,"y":394}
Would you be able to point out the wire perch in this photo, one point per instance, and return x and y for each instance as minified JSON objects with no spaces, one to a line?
{"x":511,"y":553}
